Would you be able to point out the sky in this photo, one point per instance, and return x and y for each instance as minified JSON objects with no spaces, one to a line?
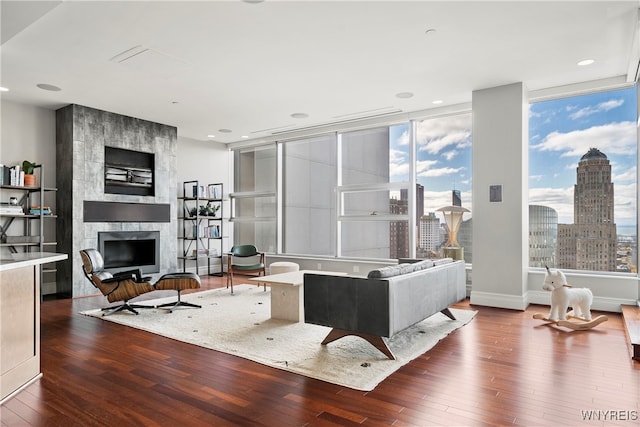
{"x":560,"y":132}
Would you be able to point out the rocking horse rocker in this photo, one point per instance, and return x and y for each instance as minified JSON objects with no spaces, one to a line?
{"x":564,"y":296}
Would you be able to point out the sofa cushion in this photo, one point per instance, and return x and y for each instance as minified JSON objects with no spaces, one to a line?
{"x":390,"y":271}
{"x":421,"y":265}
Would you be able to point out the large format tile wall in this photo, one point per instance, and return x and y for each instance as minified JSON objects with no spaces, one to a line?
{"x":81,"y":136}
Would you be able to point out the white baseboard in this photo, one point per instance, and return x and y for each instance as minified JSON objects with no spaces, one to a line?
{"x":489,"y":299}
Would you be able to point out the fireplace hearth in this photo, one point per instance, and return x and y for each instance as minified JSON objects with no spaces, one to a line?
{"x":127,"y":250}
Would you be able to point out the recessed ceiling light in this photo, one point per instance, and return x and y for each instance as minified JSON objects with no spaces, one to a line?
{"x":244,"y":136}
{"x":224,"y":130}
{"x":430,"y":31}
{"x":211,"y":136}
{"x":437,"y":101}
{"x":3,"y":89}
{"x":299,"y":115}
{"x":45,"y":86}
{"x":586,"y":62}
{"x":404,"y":95}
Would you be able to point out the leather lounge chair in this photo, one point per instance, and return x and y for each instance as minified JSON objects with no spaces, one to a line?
{"x":126,"y":285}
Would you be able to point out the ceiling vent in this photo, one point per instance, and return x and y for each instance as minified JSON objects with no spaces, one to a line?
{"x":150,"y":62}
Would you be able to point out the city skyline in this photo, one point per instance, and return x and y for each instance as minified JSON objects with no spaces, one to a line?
{"x":560,"y":132}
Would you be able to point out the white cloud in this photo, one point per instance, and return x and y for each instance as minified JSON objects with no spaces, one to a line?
{"x":603,"y":106}
{"x":560,"y":199}
{"x":429,"y":173}
{"x":450,"y":154}
{"x":612,"y":138}
{"x":625,"y":204}
{"x":436,"y":135}
{"x":404,"y":138}
{"x":399,"y":169}
{"x":630,"y":175}
{"x":398,"y":156}
{"x":424,"y":165}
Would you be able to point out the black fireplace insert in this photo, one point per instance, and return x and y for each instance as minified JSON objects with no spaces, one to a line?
{"x":127,"y":250}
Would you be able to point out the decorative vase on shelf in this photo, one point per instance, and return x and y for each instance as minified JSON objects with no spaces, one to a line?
{"x":29,"y":180}
{"x":29,"y":177}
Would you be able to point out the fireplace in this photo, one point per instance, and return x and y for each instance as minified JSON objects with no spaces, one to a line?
{"x":127,"y":250}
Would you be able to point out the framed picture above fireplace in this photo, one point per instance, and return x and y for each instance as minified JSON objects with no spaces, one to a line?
{"x":128,"y":172}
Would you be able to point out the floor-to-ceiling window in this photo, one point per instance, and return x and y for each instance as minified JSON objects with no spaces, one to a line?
{"x":443,"y":169}
{"x":369,"y":193}
{"x":583,"y":182}
{"x":253,"y":200}
{"x":309,"y":196}
{"x":373,"y":193}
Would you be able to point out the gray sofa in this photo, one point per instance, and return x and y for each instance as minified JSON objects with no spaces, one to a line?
{"x":387,"y":301}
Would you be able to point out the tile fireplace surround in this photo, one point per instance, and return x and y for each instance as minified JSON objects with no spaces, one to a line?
{"x":81,"y":136}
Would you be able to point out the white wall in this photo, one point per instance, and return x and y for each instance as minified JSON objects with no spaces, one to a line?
{"x":209,"y":163}
{"x":29,"y":133}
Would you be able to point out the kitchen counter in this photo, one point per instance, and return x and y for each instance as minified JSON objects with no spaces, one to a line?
{"x":20,"y":260}
{"x":20,"y":319}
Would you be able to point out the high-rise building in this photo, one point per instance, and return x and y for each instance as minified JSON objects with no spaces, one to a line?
{"x":543,"y":236}
{"x":590,"y":242}
{"x":399,"y":230}
{"x":404,"y":195}
{"x":430,"y":236}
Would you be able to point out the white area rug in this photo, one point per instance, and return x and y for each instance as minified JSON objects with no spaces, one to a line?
{"x":240,"y":324}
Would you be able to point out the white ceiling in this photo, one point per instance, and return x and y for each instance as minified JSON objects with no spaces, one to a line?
{"x":246,"y":67}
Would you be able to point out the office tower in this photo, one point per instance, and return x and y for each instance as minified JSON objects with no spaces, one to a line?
{"x":590,"y":242}
{"x":456,"y":199}
{"x":543,"y":236}
{"x":430,"y":236}
{"x":399,"y":230}
{"x":404,"y":195}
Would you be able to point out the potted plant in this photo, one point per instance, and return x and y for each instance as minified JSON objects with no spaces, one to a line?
{"x":29,"y":177}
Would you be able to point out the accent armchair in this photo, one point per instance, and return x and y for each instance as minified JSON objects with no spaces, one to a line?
{"x":242,"y":259}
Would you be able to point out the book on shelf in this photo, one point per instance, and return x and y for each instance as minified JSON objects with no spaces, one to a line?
{"x":35,"y":210}
{"x":198,"y":191}
{"x":203,"y":252}
{"x":212,"y":231}
{"x":214,"y":191}
{"x":11,"y":210}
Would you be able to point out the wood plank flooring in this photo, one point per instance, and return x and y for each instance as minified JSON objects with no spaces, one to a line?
{"x":504,"y":368}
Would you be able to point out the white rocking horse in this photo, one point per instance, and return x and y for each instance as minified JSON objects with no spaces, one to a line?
{"x":564,"y":296}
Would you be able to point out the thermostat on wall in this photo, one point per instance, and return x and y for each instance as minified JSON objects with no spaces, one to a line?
{"x":495,"y":193}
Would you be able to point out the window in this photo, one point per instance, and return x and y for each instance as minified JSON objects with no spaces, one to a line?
{"x":253,"y":203}
{"x":582,"y":183}
{"x":443,"y":169}
{"x":309,"y":196}
{"x":373,"y":194}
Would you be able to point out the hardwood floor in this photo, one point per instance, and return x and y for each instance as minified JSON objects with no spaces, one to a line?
{"x":504,"y":368}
